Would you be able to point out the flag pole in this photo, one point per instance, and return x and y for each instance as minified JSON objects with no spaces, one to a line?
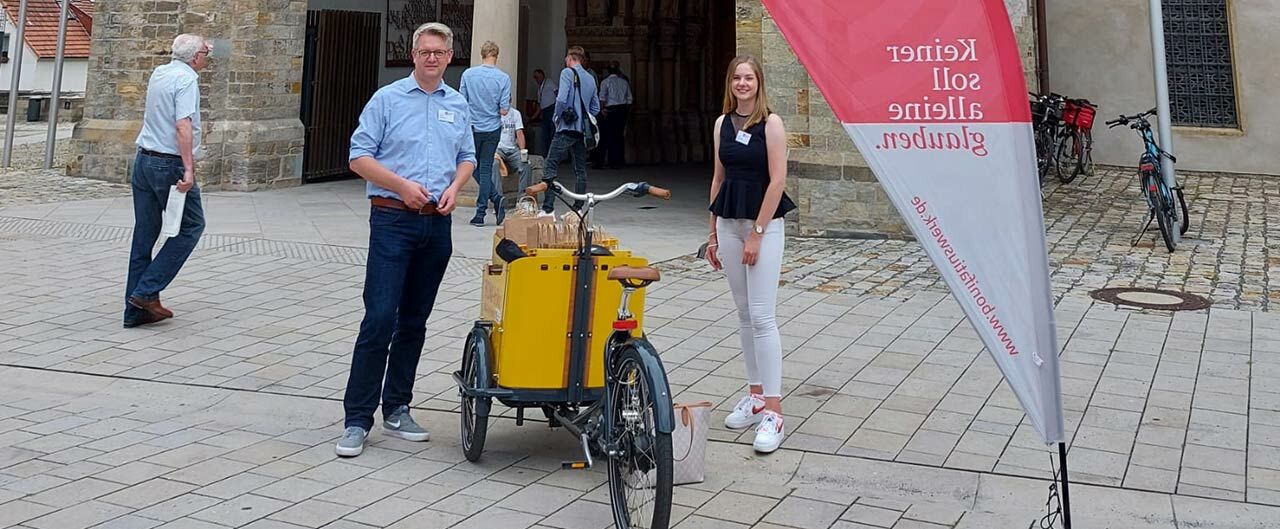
{"x":1066,"y":497}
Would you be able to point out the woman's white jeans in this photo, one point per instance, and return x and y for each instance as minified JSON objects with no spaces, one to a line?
{"x":755,"y":291}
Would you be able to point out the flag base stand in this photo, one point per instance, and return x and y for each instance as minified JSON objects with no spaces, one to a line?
{"x":1059,"y":502}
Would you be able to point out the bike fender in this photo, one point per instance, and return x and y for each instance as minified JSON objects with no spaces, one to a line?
{"x":480,"y":335}
{"x":664,"y":417}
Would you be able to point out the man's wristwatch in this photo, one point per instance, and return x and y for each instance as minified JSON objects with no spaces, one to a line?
{"x":759,"y":229}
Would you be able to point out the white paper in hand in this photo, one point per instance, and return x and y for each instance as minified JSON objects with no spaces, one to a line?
{"x":173,"y":212}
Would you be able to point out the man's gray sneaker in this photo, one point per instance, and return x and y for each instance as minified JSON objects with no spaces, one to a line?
{"x":401,"y":425}
{"x":352,"y":442}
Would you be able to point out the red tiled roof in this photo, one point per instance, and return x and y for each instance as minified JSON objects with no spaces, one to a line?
{"x":42,"y":27}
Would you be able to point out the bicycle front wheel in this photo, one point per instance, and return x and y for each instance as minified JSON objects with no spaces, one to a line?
{"x":640,"y":472}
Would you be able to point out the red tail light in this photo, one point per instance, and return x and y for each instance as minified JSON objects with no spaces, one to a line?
{"x":1147,"y":167}
{"x":625,"y":325}
{"x":1151,"y":188}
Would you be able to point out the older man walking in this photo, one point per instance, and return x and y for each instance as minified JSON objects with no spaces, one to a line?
{"x":168,"y":147}
{"x":414,"y":147}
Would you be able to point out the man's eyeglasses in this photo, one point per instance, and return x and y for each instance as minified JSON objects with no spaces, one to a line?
{"x":439,"y":54}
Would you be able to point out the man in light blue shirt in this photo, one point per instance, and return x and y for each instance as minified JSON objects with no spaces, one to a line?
{"x":488,"y":93}
{"x":414,"y":147}
{"x":168,"y":147}
{"x":578,"y":95}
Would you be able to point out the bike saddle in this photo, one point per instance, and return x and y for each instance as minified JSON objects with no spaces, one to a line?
{"x":643,"y":274}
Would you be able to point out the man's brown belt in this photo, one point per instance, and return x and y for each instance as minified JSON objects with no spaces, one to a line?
{"x":383,"y":202}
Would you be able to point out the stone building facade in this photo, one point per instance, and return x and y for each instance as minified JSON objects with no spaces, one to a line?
{"x":836,"y":192}
{"x":250,"y":96}
{"x":676,"y":50}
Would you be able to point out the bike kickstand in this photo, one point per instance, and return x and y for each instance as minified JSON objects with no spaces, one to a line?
{"x":1136,"y":238}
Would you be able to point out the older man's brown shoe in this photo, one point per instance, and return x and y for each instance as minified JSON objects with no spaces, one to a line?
{"x":152,"y":306}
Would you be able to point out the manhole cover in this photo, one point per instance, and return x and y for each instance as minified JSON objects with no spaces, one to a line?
{"x":1150,"y":298}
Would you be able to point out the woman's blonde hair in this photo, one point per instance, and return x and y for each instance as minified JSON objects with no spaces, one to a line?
{"x":762,"y":101}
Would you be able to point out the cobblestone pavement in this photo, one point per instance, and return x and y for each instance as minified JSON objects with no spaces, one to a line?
{"x":225,"y":416}
{"x":28,"y":145}
{"x":84,"y":451}
{"x":39,"y":186}
{"x":1231,"y":254}
{"x":1172,"y":404}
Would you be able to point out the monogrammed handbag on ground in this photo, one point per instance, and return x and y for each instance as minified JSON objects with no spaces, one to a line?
{"x":688,"y":443}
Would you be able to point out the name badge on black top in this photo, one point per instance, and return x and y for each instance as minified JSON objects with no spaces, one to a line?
{"x":744,"y":137}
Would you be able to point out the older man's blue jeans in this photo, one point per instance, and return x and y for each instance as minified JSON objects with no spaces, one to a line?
{"x":149,"y":275}
{"x":408,"y":255}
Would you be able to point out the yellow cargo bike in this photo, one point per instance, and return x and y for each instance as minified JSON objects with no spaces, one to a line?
{"x":552,"y":344}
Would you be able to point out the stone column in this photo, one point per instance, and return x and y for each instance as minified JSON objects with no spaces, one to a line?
{"x":251,"y":92}
{"x":498,"y":21}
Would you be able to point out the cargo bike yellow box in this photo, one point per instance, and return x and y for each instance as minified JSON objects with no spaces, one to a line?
{"x":560,"y":331}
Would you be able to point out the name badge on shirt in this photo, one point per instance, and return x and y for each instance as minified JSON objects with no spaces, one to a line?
{"x":744,"y":137}
{"x":445,"y":116}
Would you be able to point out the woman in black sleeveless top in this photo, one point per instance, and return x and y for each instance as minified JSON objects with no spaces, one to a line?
{"x":747,"y":206}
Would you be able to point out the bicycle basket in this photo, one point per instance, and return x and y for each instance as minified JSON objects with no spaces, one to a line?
{"x":1079,"y":113}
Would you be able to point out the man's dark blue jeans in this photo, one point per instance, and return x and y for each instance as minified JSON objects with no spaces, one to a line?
{"x":486,"y":146}
{"x":574,"y":144}
{"x":148,"y":276}
{"x":408,"y":254}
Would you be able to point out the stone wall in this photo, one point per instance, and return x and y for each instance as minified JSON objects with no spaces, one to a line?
{"x":837,"y":194}
{"x":250,"y":93}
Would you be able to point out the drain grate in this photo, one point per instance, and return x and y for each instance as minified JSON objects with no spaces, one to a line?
{"x":1150,"y":298}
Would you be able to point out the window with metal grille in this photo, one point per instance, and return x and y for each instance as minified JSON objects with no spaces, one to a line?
{"x":1202,"y":88}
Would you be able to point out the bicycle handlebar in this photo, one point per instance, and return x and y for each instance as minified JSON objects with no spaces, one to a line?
{"x":636,"y":189}
{"x":1125,"y":120}
{"x":658,"y":192}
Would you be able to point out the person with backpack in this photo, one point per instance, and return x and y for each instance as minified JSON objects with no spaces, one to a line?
{"x":577,"y":104}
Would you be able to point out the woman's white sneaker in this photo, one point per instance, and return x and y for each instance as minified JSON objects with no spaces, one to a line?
{"x":770,"y":433}
{"x":746,"y":413}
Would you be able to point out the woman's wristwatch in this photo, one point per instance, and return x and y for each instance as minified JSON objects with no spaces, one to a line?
{"x":759,"y":229}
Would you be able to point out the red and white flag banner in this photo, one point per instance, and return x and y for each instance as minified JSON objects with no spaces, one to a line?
{"x":932,"y":93}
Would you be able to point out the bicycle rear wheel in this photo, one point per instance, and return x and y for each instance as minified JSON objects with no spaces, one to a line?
{"x":1044,"y":153}
{"x":640,"y":474}
{"x":1069,"y":161}
{"x":1186,"y":214}
{"x":1164,"y":217}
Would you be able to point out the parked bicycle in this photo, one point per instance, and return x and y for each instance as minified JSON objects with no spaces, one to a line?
{"x":1163,"y":202}
{"x":1046,"y":118}
{"x":1075,"y":148}
{"x":554,"y":346}
{"x":1063,"y":135}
